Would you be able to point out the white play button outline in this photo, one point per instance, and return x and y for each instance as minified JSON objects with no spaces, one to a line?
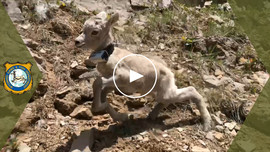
{"x":133,"y":76}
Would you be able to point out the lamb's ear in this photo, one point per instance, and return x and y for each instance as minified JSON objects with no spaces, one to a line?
{"x":102,"y":15}
{"x":113,"y":19}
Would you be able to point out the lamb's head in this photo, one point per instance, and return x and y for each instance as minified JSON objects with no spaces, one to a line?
{"x":96,"y":33}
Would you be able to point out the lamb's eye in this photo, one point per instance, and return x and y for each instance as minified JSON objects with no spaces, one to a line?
{"x":94,"y":33}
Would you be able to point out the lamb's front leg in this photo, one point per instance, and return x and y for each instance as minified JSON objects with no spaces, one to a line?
{"x":98,"y":105}
{"x":101,"y":88}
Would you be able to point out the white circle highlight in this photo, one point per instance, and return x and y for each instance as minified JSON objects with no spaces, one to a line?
{"x":134,"y":97}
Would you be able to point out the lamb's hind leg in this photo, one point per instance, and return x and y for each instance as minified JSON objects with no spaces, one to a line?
{"x":190,"y":93}
{"x":101,"y":88}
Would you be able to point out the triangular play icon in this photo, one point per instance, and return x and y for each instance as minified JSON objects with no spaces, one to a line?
{"x":134,"y":76}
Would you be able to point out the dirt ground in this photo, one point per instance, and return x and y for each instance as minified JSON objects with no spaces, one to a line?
{"x":203,"y":47}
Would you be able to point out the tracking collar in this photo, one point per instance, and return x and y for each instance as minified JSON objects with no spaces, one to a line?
{"x":102,"y":55}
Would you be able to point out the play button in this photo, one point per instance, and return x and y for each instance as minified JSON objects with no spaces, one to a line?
{"x":134,"y":76}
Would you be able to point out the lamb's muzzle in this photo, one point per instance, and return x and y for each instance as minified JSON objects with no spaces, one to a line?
{"x":97,"y":36}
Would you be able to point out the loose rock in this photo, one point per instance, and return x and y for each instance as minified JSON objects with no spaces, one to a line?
{"x":199,"y":149}
{"x":82,"y":112}
{"x":230,"y":125}
{"x":64,"y":107}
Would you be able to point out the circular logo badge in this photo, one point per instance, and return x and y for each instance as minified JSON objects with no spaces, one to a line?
{"x":18,"y":78}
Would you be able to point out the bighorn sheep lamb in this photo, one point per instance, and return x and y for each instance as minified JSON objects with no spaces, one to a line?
{"x":97,"y":36}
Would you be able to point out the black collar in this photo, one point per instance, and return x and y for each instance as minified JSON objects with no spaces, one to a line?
{"x":109,"y":50}
{"x":103,"y":54}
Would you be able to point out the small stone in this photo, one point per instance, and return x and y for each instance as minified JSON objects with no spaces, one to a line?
{"x":202,"y":142}
{"x":218,"y":136}
{"x":217,"y":120}
{"x":208,"y":3}
{"x":185,"y":148}
{"x":144,"y":133}
{"x":180,"y":129}
{"x":242,"y":61}
{"x":141,"y":3}
{"x":227,"y":131}
{"x":199,"y":149}
{"x":209,"y":136}
{"x":165,"y":135}
{"x":82,"y":9}
{"x":218,"y":72}
{"x":74,"y":64}
{"x":42,"y":51}
{"x":237,"y":127}
{"x":82,"y":112}
{"x":62,"y":27}
{"x":73,"y":97}
{"x":62,"y":92}
{"x":77,"y":71}
{"x":41,"y":123}
{"x":62,"y":123}
{"x":219,"y":128}
{"x":145,"y":139}
{"x":217,"y":19}
{"x":85,"y":89}
{"x":24,"y":148}
{"x":139,"y":137}
{"x":238,"y":87}
{"x":64,"y":107}
{"x":233,"y":133}
{"x":166,"y":4}
{"x":25,"y":26}
{"x":161,"y":46}
{"x":230,"y":125}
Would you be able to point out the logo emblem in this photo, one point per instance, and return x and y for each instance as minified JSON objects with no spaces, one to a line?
{"x":18,"y":77}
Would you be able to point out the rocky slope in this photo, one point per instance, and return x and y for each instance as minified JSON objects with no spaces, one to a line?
{"x":202,"y":46}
